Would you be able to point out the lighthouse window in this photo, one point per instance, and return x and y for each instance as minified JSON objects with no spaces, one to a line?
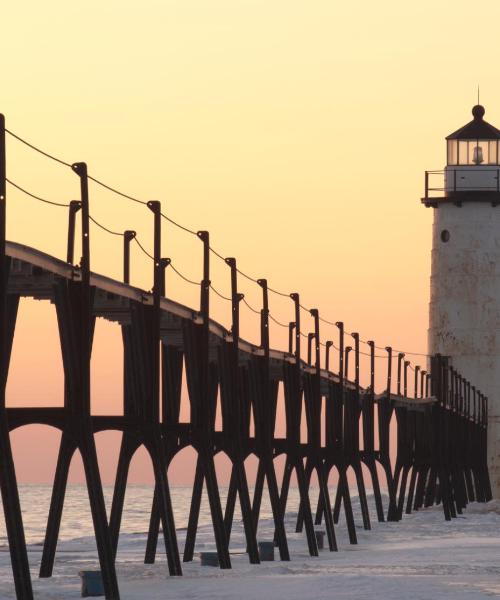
{"x":493,"y":154}
{"x":463,"y":152}
{"x":473,"y":152}
{"x":478,"y":152}
{"x":452,"y":152}
{"x":445,"y":235}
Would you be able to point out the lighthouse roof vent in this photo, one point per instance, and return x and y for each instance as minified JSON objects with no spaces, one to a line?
{"x":477,"y":129}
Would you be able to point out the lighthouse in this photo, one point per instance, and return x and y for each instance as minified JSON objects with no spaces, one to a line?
{"x":464,"y":309}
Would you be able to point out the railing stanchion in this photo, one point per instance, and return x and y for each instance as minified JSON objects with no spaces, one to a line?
{"x":74,"y":207}
{"x":347,"y":351}
{"x":205,"y":283}
{"x":310,"y":337}
{"x":328,"y":345}
{"x":128,"y":236}
{"x":164,"y":263}
{"x":415,"y":393}
{"x":291,"y":327}
{"x":389,"y":371}
{"x":264,"y":318}
{"x":400,"y":363}
{"x":340,"y":326}
{"x":422,"y":378}
{"x":405,"y":378}
{"x":81,"y":170}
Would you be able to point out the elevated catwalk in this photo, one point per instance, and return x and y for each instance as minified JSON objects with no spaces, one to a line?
{"x":441,"y":428}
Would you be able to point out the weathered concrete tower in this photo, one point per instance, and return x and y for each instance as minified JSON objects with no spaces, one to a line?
{"x":464,"y":320}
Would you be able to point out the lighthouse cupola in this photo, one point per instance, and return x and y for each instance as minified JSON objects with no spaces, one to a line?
{"x":473,"y":159}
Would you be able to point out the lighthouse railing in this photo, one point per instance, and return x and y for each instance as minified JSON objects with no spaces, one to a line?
{"x":468,"y":179}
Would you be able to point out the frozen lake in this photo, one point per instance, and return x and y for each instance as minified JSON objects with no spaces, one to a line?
{"x":423,"y":557}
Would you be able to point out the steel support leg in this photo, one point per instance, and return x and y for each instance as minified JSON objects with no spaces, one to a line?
{"x":323,"y":488}
{"x":411,"y":490}
{"x":246,"y":512}
{"x":372,"y":467}
{"x":216,"y":512}
{"x":153,"y":531}
{"x":98,"y":510}
{"x":230,"y":504}
{"x":157,"y":453}
{"x":344,"y":495}
{"x":194,"y":513}
{"x":278,"y":514}
{"x":13,"y":517}
{"x":127,"y":450}
{"x":365,"y":513}
{"x":258,"y":490}
{"x":66,"y":450}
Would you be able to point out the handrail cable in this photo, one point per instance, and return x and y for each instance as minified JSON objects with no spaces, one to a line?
{"x":277,"y":322}
{"x":33,"y":147}
{"x":104,"y":228}
{"x":183,"y":276}
{"x":186,"y":229}
{"x":60,"y":204}
{"x":254,"y":310}
{"x":115,"y":191}
{"x":219,"y":294}
{"x":143,"y":249}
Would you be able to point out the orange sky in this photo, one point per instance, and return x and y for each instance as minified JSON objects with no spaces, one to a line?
{"x":296,"y":132}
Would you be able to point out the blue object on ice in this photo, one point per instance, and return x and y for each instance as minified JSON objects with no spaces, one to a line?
{"x":266,"y":551}
{"x":91,"y":583}
{"x":209,"y":559}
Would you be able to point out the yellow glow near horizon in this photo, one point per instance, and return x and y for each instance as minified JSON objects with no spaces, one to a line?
{"x":296,"y":132}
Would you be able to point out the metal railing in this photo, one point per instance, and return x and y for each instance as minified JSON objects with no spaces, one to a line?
{"x":461,"y":180}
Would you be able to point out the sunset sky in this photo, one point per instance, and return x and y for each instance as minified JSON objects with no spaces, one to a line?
{"x":296,"y":132}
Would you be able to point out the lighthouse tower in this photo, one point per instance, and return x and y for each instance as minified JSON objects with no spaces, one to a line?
{"x":464,"y":319}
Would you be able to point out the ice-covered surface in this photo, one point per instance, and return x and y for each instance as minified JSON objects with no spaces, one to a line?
{"x":422,"y":557}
